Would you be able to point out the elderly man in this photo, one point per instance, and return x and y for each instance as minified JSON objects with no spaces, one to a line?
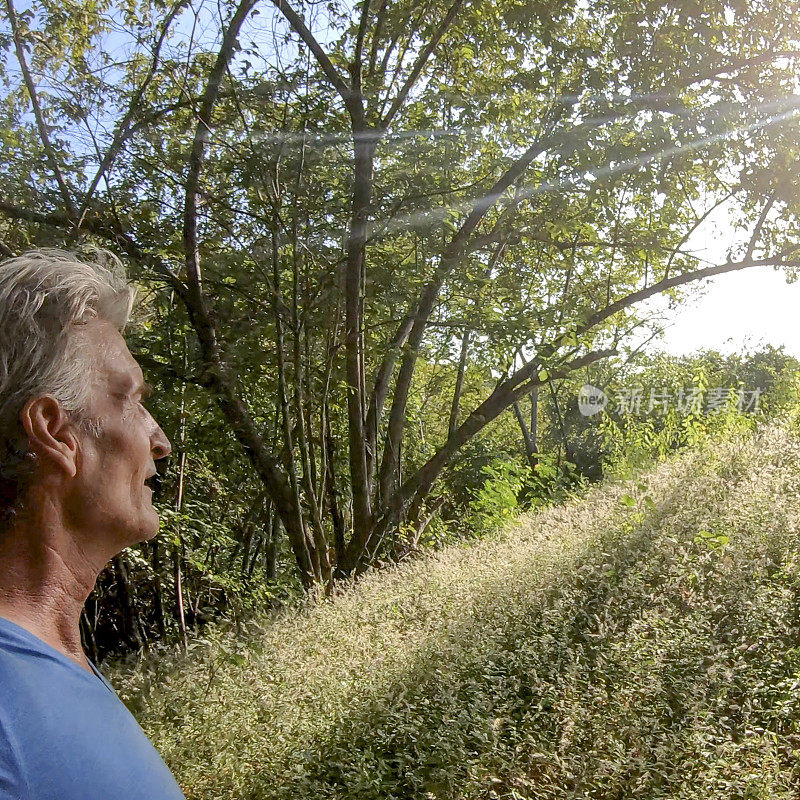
{"x":77,"y":447}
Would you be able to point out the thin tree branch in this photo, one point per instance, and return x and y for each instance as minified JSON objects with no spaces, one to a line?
{"x":413,"y":327}
{"x":760,"y":225}
{"x":124,"y":126}
{"x":200,"y":141}
{"x":355,"y":70}
{"x":697,"y":223}
{"x":781,"y":259}
{"x":419,"y":64}
{"x":300,"y":28}
{"x":220,"y":377}
{"x":41,"y":126}
{"x":725,"y":69}
{"x":106,"y":229}
{"x":376,"y":35}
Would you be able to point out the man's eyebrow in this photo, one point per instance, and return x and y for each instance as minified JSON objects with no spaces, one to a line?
{"x":146,"y":390}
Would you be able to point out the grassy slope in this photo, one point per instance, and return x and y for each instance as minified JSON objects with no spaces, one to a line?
{"x":597,"y":650}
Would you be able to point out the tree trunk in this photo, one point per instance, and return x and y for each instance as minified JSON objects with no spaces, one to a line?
{"x":130,"y":616}
{"x":88,"y":637}
{"x":561,"y":427}
{"x":158,"y":596}
{"x":333,"y":496}
{"x":271,"y":548}
{"x":364,"y":142}
{"x":307,"y":563}
{"x":320,"y":550}
{"x":177,"y":576}
{"x":256,"y":553}
{"x":529,"y":434}
{"x":462,"y":368}
{"x":177,"y":553}
{"x":246,"y":544}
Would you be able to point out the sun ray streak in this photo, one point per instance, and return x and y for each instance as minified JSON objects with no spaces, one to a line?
{"x":436,"y":215}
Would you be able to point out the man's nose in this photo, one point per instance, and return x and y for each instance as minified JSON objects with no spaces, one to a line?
{"x":160,"y":446}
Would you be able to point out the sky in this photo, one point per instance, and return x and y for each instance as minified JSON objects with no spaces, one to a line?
{"x":733,"y":312}
{"x":737,"y":311}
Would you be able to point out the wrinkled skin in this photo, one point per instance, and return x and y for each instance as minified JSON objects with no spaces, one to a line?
{"x":108,"y":497}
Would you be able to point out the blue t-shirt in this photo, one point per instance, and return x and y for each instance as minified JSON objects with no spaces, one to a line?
{"x":64,"y":733}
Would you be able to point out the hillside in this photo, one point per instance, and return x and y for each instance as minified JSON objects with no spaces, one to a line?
{"x":643,"y":642}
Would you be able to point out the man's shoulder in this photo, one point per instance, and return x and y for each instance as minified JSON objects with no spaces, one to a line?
{"x":68,"y":731}
{"x":30,"y":669}
{"x":17,"y":644}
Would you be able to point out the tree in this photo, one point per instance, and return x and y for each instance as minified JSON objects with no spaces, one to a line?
{"x":340,"y":206}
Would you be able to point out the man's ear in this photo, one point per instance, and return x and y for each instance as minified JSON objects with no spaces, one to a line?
{"x":51,"y":435}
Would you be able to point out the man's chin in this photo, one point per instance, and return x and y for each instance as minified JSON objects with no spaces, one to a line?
{"x":149,"y":529}
{"x":129,"y":532}
{"x":150,"y":535}
{"x":152,"y":531}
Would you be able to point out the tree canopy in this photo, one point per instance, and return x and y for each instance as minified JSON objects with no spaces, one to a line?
{"x":337,"y":213}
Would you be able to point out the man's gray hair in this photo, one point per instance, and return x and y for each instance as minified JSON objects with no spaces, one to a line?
{"x":45,"y":296}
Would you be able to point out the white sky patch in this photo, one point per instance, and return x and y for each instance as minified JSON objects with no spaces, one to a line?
{"x":733,"y":312}
{"x":738,"y":311}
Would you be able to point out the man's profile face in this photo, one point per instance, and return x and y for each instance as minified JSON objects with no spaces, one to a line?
{"x":109,"y":496}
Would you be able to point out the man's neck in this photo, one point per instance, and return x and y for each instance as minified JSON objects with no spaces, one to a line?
{"x":44,"y":583}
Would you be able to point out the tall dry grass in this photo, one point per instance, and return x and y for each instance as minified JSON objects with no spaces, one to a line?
{"x":642,"y":642}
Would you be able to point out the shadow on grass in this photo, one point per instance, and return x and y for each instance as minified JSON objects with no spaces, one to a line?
{"x":596,"y":686}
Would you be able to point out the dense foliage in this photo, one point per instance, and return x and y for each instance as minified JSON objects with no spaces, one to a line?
{"x":234,"y":565}
{"x":639,"y":643}
{"x":368,"y":237}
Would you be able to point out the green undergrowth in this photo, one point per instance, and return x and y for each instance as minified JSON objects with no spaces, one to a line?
{"x":641,"y":642}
